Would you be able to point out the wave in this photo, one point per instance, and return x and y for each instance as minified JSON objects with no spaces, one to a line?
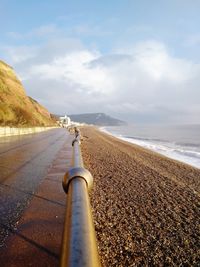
{"x":184,"y":152}
{"x":195,"y":145}
{"x":146,"y":139}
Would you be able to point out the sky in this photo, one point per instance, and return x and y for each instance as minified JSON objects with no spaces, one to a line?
{"x":136,"y":60}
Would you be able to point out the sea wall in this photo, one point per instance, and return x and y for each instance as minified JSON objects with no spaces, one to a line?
{"x":10,"y":131}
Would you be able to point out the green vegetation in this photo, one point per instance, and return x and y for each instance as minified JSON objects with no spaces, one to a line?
{"x":16,"y":108}
{"x":10,"y":116}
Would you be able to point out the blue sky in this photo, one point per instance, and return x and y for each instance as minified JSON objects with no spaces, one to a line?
{"x":137,"y":60}
{"x":173,"y":22}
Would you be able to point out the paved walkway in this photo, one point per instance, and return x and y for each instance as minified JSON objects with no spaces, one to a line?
{"x":37,"y":239}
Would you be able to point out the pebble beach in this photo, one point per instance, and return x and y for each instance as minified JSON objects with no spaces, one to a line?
{"x":145,"y":205}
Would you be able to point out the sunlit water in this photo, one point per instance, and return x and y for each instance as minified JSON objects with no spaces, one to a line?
{"x":180,"y":142}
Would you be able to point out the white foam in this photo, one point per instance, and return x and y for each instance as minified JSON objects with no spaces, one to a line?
{"x":171,"y":150}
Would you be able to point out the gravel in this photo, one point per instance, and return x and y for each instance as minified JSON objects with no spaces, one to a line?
{"x":145,"y":206}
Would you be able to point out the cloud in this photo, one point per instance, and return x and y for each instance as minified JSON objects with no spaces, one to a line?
{"x":140,"y":82}
{"x":74,"y":68}
{"x":44,"y":31}
{"x":19,"y":54}
{"x":193,"y":40}
{"x":15,"y":35}
{"x":54,"y":31}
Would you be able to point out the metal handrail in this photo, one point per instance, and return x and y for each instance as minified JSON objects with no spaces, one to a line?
{"x":79,"y":246}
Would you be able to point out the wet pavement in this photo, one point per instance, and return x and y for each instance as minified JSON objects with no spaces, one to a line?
{"x":24,"y":163}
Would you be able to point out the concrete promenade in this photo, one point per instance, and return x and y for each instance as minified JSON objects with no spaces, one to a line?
{"x":37,"y":238}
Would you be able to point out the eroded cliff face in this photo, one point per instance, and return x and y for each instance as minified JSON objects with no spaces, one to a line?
{"x":16,"y":108}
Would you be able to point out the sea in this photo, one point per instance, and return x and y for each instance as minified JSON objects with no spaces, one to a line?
{"x":180,"y":142}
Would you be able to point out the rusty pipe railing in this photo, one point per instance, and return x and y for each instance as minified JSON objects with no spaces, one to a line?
{"x":79,"y":246}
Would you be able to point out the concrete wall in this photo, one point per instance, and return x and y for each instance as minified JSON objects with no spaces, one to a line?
{"x":9,"y":131}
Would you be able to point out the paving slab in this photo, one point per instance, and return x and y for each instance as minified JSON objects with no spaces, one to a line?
{"x":37,"y":239}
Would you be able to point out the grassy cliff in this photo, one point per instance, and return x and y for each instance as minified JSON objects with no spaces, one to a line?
{"x":16,"y":108}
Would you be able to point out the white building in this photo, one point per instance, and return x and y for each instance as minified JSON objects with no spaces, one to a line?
{"x":65,"y":121}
